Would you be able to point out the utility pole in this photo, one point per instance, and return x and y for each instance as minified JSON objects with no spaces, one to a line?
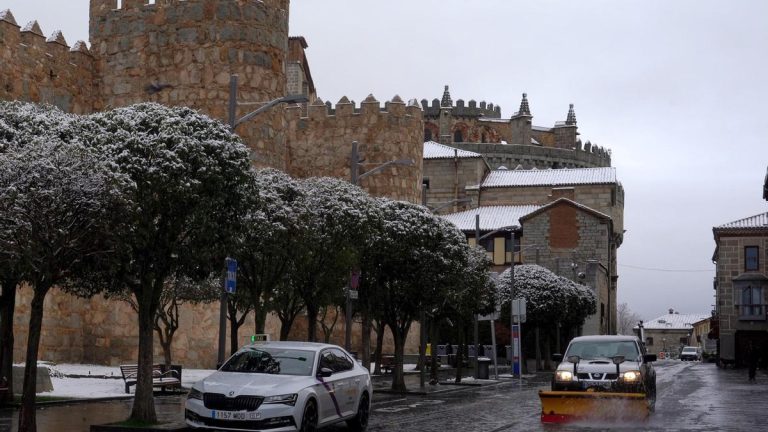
{"x":474,"y":315}
{"x":233,"y":122}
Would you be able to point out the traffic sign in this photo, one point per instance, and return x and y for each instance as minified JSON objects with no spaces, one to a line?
{"x":354,"y":295}
{"x":231,"y":281}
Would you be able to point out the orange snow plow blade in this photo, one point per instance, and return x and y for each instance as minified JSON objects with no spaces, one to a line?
{"x":569,"y":406}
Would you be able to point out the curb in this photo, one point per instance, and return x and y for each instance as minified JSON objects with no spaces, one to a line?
{"x":168,"y":427}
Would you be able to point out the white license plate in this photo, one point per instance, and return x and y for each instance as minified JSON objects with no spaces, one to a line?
{"x":587,"y":384}
{"x":236,"y":415}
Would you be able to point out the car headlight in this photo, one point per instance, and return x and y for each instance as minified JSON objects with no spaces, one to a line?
{"x":631,"y":376}
{"x":288,"y":399}
{"x":564,"y":376}
{"x":195,"y":394}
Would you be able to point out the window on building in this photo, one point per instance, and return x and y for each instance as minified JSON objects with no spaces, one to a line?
{"x":427,"y":134}
{"x":751,"y":258}
{"x":649,"y":341}
{"x":457,"y":137}
{"x":508,"y":244}
{"x":487,"y":244}
{"x":751,"y":304}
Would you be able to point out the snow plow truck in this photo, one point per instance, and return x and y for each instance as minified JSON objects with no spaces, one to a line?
{"x":601,"y":378}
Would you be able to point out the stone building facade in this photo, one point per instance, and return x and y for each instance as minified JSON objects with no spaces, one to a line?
{"x":741,"y":285}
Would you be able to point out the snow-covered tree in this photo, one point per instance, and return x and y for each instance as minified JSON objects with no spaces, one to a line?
{"x":186,"y":170}
{"x":336,"y":217}
{"x":268,"y":235}
{"x":20,"y":125}
{"x":551,"y":301}
{"x":416,"y":256}
{"x":549,"y":298}
{"x":57,"y":200}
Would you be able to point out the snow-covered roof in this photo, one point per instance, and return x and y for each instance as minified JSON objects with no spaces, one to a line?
{"x":541,"y":128}
{"x":550,"y":177}
{"x":494,"y":120}
{"x":674,"y":321}
{"x":433,"y":150}
{"x":491,"y":217}
{"x":752,"y":222}
{"x":566,"y":201}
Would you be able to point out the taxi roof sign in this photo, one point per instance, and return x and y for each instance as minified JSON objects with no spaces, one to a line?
{"x":259,"y":338}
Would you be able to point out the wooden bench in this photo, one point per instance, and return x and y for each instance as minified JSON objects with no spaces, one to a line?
{"x":160,"y":379}
{"x":387,"y":363}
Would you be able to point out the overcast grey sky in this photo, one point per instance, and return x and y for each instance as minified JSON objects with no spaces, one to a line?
{"x":676,"y":90}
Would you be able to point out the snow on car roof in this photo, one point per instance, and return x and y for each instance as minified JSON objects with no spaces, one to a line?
{"x":310,"y":346}
{"x":604,"y":338}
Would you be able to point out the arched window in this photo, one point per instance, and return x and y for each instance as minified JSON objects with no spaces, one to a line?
{"x":457,"y":137}
{"x":427,"y":134}
{"x":482,"y":137}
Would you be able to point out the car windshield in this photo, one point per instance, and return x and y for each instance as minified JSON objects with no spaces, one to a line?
{"x":689,"y":349}
{"x":603,"y":349}
{"x":271,"y":360}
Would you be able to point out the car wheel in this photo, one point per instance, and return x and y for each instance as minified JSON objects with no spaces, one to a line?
{"x":360,"y":422}
{"x":309,"y":419}
{"x":652,"y":398}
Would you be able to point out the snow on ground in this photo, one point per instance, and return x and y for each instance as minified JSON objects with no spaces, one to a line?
{"x":90,"y":388}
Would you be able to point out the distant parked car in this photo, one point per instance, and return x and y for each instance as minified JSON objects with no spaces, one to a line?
{"x":690,"y":353}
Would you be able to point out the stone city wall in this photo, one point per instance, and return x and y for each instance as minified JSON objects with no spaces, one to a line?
{"x":321,"y":144}
{"x":106,"y":332}
{"x":44,"y":70}
{"x":183,"y":52}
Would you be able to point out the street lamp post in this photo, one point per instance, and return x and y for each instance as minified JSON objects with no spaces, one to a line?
{"x":233,"y":122}
{"x":355,"y":177}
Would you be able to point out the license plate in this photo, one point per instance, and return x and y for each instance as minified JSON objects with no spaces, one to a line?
{"x":588,"y":384}
{"x":235,"y":415}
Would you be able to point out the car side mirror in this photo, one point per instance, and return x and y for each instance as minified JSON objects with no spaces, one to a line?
{"x":557,"y":358}
{"x":649,"y":358}
{"x":324,"y":373}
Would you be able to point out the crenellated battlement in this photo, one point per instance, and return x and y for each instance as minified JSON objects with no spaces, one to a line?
{"x":44,"y":69}
{"x":344,"y":108}
{"x":459,"y":109}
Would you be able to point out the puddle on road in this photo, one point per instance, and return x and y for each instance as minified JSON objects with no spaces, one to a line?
{"x":79,"y":417}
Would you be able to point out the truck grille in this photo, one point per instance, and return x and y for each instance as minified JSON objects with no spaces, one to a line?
{"x":597,"y":376}
{"x":218,"y":401}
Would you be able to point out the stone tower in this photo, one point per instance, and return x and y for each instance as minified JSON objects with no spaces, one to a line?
{"x":183,"y":52}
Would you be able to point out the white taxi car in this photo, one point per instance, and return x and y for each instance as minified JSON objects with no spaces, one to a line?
{"x":282,"y":386}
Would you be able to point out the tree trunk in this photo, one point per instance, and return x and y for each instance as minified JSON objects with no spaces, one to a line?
{"x":460,"y":352}
{"x":143,"y":401}
{"x":398,"y":378}
{"x":380,"y":328}
{"x":312,"y":312}
{"x":27,"y":421}
{"x":7,"y":307}
{"x":434,"y":337}
{"x":366,"y":339}
{"x":547,"y":351}
{"x":260,"y":319}
{"x":537,"y":343}
{"x":234,"y":327}
{"x":285,"y":328}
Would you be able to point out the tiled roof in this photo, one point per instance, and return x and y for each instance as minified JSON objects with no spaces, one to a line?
{"x":491,"y":217}
{"x":433,"y":150}
{"x":674,"y":321}
{"x":551,"y":177}
{"x":757,"y":221}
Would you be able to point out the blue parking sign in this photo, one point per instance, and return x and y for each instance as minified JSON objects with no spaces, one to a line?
{"x":231,"y":275}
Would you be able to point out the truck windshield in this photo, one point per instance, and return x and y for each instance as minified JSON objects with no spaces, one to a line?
{"x":603,"y":349}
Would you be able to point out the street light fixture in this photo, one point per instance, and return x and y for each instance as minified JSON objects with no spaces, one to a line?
{"x":233,"y":123}
{"x":355,"y":177}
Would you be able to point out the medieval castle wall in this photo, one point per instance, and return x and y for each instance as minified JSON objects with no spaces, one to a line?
{"x":44,"y":69}
{"x":182,"y":52}
{"x":321,"y":144}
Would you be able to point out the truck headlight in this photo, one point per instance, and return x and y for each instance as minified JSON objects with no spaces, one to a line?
{"x":631,"y":376}
{"x":564,"y":376}
{"x":288,"y":399}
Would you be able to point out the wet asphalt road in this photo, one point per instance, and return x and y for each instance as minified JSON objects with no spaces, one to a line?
{"x":692,"y":396}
